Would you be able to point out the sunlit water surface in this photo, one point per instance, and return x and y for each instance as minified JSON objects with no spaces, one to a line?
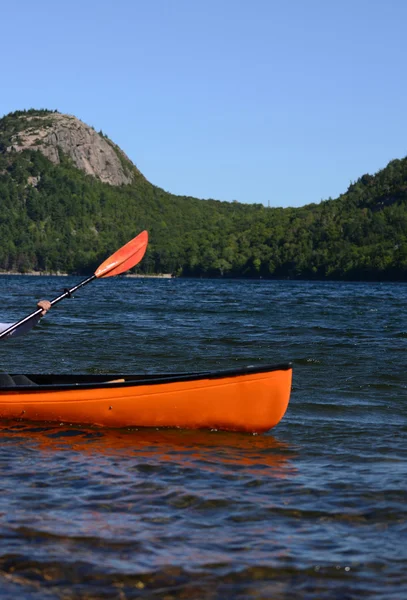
{"x":314,"y":509}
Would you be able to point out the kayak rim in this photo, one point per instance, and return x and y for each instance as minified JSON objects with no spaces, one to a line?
{"x":111,"y":380}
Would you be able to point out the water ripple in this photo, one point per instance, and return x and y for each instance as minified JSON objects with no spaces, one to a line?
{"x":314,"y":509}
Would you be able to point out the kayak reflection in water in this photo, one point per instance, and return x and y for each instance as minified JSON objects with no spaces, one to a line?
{"x":8,"y":380}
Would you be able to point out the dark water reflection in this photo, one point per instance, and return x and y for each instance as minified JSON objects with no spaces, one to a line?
{"x":314,"y":509}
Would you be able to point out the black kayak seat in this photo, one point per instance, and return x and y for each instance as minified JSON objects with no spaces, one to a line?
{"x":11,"y":381}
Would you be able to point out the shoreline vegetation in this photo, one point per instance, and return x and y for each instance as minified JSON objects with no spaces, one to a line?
{"x":44,"y":274}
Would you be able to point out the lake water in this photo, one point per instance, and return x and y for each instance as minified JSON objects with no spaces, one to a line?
{"x":316,"y":508}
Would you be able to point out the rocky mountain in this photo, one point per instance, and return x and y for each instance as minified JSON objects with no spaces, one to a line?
{"x":52,"y":133}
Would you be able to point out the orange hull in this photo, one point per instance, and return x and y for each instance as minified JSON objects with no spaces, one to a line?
{"x":253,"y":399}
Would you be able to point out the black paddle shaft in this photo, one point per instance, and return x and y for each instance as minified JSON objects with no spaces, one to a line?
{"x":66,"y":294}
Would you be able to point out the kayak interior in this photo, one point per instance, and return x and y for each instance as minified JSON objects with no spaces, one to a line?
{"x":70,"y":381}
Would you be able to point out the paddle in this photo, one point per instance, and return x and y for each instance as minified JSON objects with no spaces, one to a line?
{"x":123,"y":259}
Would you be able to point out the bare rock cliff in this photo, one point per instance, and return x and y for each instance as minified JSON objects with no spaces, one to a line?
{"x":90,"y":151}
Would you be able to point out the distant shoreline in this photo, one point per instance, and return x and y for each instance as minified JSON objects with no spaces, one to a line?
{"x":44,"y":274}
{"x":160,"y":276}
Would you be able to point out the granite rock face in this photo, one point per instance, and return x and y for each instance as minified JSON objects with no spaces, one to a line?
{"x":90,"y":151}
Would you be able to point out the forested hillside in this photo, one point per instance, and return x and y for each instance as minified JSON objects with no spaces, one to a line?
{"x":55,"y":217}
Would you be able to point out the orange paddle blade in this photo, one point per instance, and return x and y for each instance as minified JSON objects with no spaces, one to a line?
{"x":125,"y":258}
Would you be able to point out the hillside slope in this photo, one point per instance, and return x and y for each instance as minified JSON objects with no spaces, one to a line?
{"x":69,"y":197}
{"x":52,"y":133}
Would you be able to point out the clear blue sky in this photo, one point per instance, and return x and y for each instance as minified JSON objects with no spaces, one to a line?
{"x":271,"y":101}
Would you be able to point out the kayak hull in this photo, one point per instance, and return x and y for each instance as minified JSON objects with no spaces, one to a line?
{"x":253,"y":399}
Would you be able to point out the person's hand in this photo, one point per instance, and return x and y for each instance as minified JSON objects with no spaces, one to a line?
{"x":45,"y":305}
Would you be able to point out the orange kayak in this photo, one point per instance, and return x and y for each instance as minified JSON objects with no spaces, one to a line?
{"x":251,"y":399}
